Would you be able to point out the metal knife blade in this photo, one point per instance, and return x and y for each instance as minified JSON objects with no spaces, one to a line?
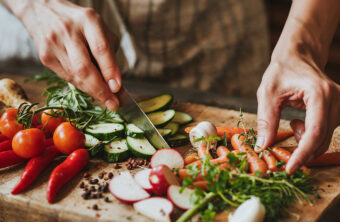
{"x":132,"y":113}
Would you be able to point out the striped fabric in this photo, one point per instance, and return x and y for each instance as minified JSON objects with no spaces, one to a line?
{"x":219,"y":46}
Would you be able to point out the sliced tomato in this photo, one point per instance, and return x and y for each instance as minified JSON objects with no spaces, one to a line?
{"x":29,"y":143}
{"x":67,"y":138}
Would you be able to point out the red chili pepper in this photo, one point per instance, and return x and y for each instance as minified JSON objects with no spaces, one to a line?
{"x":49,"y":142}
{"x":5,"y":145}
{"x":34,"y":167}
{"x":65,"y":171}
{"x":9,"y":158}
{"x":3,"y":138}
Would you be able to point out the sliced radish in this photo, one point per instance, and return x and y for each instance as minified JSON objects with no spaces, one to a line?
{"x":167,"y":156}
{"x":156,"y":208}
{"x":125,"y":188}
{"x":142,"y":178}
{"x":161,"y":177}
{"x":180,"y":200}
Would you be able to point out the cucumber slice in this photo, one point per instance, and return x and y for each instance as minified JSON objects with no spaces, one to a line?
{"x":93,"y":145}
{"x":116,"y":151}
{"x":173,"y":126}
{"x":140,"y":147}
{"x":178,"y":140}
{"x":182,"y":118}
{"x":157,"y":103}
{"x":133,"y":131}
{"x":165,"y":132}
{"x":161,"y":118}
{"x":106,"y":131}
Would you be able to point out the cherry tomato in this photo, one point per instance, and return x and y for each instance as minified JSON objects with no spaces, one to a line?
{"x":51,"y":123}
{"x":28,"y":143}
{"x":66,"y":138}
{"x":9,"y":125}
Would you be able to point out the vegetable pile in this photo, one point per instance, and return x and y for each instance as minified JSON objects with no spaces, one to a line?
{"x":212,"y":180}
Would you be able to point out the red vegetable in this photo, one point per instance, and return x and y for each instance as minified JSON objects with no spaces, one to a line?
{"x":29,"y":143}
{"x":66,"y":138}
{"x":9,"y":158}
{"x":9,"y":125}
{"x":34,"y":167}
{"x":3,"y":138}
{"x":5,"y":145}
{"x":50,"y":122}
{"x":49,"y":142}
{"x":65,"y":171}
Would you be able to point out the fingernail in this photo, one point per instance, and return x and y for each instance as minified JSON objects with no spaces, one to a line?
{"x":259,"y":144}
{"x":114,"y":86}
{"x":112,"y":105}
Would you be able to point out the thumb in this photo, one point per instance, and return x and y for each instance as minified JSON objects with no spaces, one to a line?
{"x":268,"y":117}
{"x":298,"y":127}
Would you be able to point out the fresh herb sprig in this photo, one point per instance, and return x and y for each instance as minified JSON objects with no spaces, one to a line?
{"x":230,"y":187}
{"x":77,"y":106}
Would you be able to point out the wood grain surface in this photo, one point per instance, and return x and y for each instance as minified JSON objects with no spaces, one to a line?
{"x":32,"y":205}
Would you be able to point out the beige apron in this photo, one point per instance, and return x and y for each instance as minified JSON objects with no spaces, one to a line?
{"x":219,"y":46}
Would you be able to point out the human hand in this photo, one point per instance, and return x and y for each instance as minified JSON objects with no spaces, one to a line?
{"x":67,"y":37}
{"x":298,"y":82}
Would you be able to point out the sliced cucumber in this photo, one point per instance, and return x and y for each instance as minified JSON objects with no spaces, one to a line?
{"x":106,"y":131}
{"x":116,"y":151}
{"x":133,"y":131}
{"x":90,"y":140}
{"x":173,"y":126}
{"x":177,"y":140}
{"x":140,"y":147}
{"x":182,"y":118}
{"x":165,"y":132}
{"x":161,"y":118}
{"x":93,"y":145}
{"x":157,"y":103}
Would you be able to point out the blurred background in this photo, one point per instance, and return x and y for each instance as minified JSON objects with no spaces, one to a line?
{"x":263,"y":28}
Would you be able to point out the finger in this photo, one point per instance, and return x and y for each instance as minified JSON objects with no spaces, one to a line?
{"x":86,"y":75}
{"x":102,"y":49}
{"x":268,"y":117}
{"x":314,"y":136}
{"x":298,"y":127}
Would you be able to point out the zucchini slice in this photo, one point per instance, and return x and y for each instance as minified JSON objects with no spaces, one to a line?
{"x":133,"y":131}
{"x":173,"y":126}
{"x":140,"y":147}
{"x":161,"y":102}
{"x":161,"y":118}
{"x":106,"y":131}
{"x":178,"y":140}
{"x":90,"y":140}
{"x":182,"y":118}
{"x":116,"y":151}
{"x":165,"y":132}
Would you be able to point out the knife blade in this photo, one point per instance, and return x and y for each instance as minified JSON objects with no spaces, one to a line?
{"x":132,"y":113}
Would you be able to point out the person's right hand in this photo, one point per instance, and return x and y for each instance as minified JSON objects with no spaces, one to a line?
{"x":67,"y":36}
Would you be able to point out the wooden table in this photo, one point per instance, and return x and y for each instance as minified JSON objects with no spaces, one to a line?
{"x":31,"y":205}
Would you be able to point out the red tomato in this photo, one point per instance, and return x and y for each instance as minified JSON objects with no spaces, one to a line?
{"x":51,"y":122}
{"x":66,"y":138}
{"x":28,"y":143}
{"x":9,"y":125}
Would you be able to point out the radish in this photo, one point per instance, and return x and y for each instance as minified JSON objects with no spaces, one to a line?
{"x":161,"y":177}
{"x":167,"y":156}
{"x":180,"y":200}
{"x":142,"y":178}
{"x":125,"y":188}
{"x":156,"y":208}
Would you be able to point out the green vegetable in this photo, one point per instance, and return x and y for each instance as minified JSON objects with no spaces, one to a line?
{"x":133,"y":131}
{"x":116,"y":151}
{"x":182,"y":118}
{"x":173,"y":126}
{"x":140,"y":147}
{"x":161,"y":118}
{"x":157,"y":103}
{"x":178,"y":140}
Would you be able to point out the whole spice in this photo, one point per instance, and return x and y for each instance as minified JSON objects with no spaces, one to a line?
{"x":34,"y":167}
{"x":65,"y":171}
{"x":110,"y":175}
{"x":94,"y":181}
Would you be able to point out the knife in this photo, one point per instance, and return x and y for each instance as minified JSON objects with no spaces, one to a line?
{"x":131,"y":112}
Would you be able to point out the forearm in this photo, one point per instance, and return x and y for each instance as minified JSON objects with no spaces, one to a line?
{"x":309,"y":30}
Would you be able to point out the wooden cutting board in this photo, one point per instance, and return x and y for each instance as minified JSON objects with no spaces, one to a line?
{"x":70,"y":206}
